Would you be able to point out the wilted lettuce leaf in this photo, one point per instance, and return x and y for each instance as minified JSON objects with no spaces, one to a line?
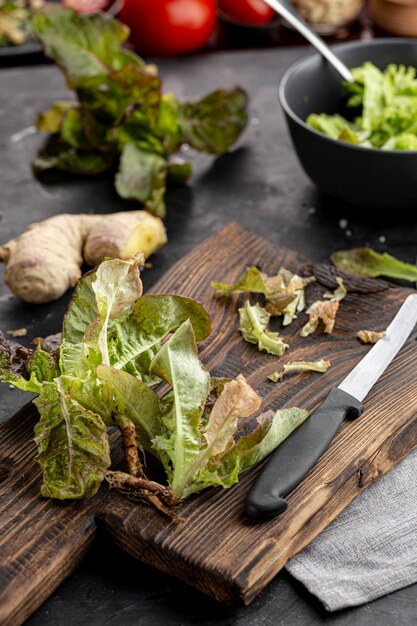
{"x":73,"y":449}
{"x":367,"y":262}
{"x":369,"y":336}
{"x":253,"y":325}
{"x":142,"y":176}
{"x":214,"y":123}
{"x":250,"y":449}
{"x":300,"y":366}
{"x":14,"y":360}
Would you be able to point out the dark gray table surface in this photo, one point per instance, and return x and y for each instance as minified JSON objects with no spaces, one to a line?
{"x":259,"y":184}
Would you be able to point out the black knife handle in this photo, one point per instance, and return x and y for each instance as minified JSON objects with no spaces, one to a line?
{"x":295,"y":457}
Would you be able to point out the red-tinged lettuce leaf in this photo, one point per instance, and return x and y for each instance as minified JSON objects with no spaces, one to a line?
{"x":367,"y":262}
{"x":142,"y":176}
{"x":73,"y":449}
{"x":83,"y":46}
{"x":116,"y":96}
{"x":214,"y":123}
{"x":59,"y":155}
{"x":99,"y":298}
{"x":134,"y":342}
{"x":25,"y":368}
{"x":271,"y":431}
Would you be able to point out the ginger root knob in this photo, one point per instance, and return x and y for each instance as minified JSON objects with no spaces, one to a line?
{"x":46,"y":259}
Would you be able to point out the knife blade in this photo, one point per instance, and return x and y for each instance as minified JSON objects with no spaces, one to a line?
{"x":295,"y":457}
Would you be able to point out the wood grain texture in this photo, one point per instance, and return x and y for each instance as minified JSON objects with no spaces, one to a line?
{"x":218,"y":549}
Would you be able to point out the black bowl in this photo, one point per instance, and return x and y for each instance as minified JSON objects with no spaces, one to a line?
{"x":384,"y":179}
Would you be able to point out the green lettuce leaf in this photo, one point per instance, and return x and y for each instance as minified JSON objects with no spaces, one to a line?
{"x":84,"y":46}
{"x":214,"y":123}
{"x":135,"y":400}
{"x":73,"y":449}
{"x":178,"y":364}
{"x":142,"y":176}
{"x":367,"y":262}
{"x":253,"y":325}
{"x":99,"y":299}
{"x":134,"y":341}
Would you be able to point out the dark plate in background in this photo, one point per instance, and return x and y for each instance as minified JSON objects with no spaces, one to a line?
{"x":31,"y":47}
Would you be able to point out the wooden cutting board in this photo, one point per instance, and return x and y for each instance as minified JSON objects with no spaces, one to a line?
{"x":218,"y":549}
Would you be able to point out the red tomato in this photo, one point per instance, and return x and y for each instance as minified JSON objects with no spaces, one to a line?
{"x":247,"y":11}
{"x":169,"y":27}
{"x":86,"y":6}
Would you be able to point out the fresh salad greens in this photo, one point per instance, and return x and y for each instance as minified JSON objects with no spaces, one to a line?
{"x":116,"y":344}
{"x":387,"y":104}
{"x":121,"y":118}
{"x":367,"y":262}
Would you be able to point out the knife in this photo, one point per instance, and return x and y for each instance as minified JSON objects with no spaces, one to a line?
{"x":295,"y":457}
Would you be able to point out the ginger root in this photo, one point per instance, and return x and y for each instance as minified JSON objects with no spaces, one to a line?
{"x":46,"y":259}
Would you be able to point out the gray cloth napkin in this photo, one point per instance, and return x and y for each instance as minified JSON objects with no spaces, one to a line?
{"x":370,"y":549}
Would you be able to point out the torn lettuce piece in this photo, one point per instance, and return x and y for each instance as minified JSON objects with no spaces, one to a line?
{"x":290,"y":287}
{"x":284,"y":292}
{"x":300,"y":366}
{"x":252,"y":281}
{"x":367,"y":262}
{"x":369,"y":336}
{"x":324,"y":311}
{"x":73,"y":449}
{"x":254,"y":321}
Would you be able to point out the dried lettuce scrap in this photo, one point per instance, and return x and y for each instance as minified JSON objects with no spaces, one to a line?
{"x":370,"y":336}
{"x":284,"y":293}
{"x":324,"y":311}
{"x":300,"y":366}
